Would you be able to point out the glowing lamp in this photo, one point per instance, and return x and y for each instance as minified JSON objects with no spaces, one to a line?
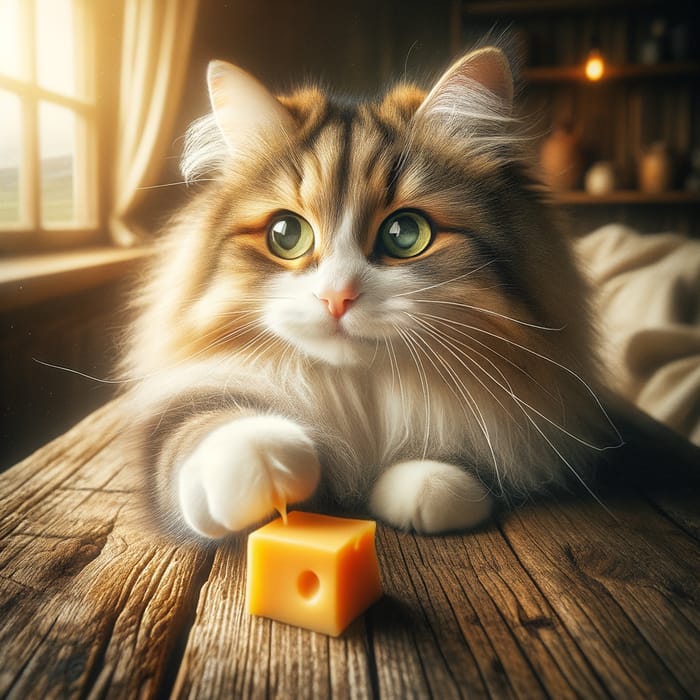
{"x":595,"y":65}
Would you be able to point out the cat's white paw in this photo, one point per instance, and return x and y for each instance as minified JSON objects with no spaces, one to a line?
{"x":430,"y":497}
{"x":243,"y":470}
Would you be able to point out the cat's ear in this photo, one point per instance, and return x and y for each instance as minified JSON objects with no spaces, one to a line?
{"x":244,"y":110}
{"x":477,"y":86}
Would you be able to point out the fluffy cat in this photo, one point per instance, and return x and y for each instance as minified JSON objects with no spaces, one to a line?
{"x":367,"y":305}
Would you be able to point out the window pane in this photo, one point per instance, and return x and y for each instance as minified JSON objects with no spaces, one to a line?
{"x":10,"y":159}
{"x":9,"y":38}
{"x":57,"y":127}
{"x":55,"y":43}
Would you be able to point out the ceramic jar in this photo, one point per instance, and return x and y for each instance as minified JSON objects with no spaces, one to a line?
{"x":561,"y":159}
{"x":600,"y":178}
{"x":655,"y":169}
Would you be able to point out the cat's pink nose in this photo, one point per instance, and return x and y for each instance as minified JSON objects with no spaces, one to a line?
{"x":338,"y":300}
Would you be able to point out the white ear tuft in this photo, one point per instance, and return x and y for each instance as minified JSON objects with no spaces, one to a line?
{"x":478,"y":85}
{"x":244,"y":115}
{"x":243,"y":108}
{"x":489,"y":67}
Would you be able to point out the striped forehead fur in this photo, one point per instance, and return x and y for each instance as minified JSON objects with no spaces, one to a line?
{"x":462,"y":110}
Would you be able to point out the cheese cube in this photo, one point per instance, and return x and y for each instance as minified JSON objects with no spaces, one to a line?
{"x":317,"y":571}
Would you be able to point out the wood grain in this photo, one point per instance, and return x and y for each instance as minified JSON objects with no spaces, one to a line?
{"x":555,"y":600}
{"x":231,"y":654}
{"x":625,"y":586}
{"x":90,"y":599}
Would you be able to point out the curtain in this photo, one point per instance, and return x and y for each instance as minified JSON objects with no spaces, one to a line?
{"x":157,"y":36}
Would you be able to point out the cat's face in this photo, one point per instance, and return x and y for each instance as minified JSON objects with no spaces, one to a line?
{"x":360,"y":237}
{"x":341,"y":232}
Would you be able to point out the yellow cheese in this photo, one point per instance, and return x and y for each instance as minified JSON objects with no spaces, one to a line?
{"x":317,"y":571}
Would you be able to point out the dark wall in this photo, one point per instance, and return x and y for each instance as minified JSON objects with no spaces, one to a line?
{"x":80,"y":332}
{"x":356,"y":47}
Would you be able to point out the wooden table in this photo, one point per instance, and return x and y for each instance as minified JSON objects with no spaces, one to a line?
{"x":552,"y":600}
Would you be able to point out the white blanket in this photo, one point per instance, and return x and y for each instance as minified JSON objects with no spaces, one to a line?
{"x":648,"y":301}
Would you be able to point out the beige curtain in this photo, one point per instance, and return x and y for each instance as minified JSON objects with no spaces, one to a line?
{"x":157,"y":35}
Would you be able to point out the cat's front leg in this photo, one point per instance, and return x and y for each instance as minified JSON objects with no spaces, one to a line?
{"x":430,"y":497}
{"x":243,"y":470}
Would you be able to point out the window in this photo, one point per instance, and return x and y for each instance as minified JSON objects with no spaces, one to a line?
{"x":48,"y":139}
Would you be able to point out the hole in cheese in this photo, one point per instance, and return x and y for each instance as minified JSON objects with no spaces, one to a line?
{"x":308,"y":585}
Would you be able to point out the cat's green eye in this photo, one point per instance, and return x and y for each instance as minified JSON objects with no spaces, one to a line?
{"x":405,"y":234}
{"x":290,"y":236}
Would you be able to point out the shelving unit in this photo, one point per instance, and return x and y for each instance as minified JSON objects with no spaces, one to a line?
{"x":628,"y":197}
{"x":635,"y":104}
{"x":629,"y":72}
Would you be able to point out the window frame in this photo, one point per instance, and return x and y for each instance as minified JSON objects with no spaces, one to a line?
{"x":31,"y":234}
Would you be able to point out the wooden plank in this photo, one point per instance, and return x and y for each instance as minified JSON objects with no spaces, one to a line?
{"x":232,"y":654}
{"x":90,"y":599}
{"x":681,"y":508}
{"x":463,"y":618}
{"x":554,"y":600}
{"x":32,"y":479}
{"x":626,"y":588}
{"x":406,"y":630}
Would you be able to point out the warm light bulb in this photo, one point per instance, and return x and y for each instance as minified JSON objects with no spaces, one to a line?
{"x":595,"y":66}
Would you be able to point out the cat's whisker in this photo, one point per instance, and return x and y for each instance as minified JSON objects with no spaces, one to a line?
{"x":288,"y":355}
{"x":264,"y":298}
{"x":217,"y":343}
{"x":127,"y":380}
{"x":449,"y":324}
{"x":271,"y":342}
{"x":445,"y":282}
{"x":450,"y":347}
{"x":376,"y":352}
{"x":175,"y":184}
{"x":78,"y":373}
{"x":507,"y":388}
{"x":251,"y":347}
{"x":236,"y":313}
{"x":395,"y":364}
{"x":561,"y":366}
{"x":466,"y":395}
{"x":119,"y":382}
{"x":468,"y":398}
{"x":523,"y":406}
{"x":569,"y":466}
{"x":423,"y":381}
{"x":444,"y":342}
{"x":490,"y":312}
{"x":231,"y":335}
{"x":235,"y":329}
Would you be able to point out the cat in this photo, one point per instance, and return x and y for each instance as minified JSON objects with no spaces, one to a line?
{"x":367,"y":305}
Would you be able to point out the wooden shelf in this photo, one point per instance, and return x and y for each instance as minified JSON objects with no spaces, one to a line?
{"x":565,"y":74}
{"x":633,"y":105}
{"x":577,"y":197}
{"x":494,"y":8}
{"x":29,"y":279}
